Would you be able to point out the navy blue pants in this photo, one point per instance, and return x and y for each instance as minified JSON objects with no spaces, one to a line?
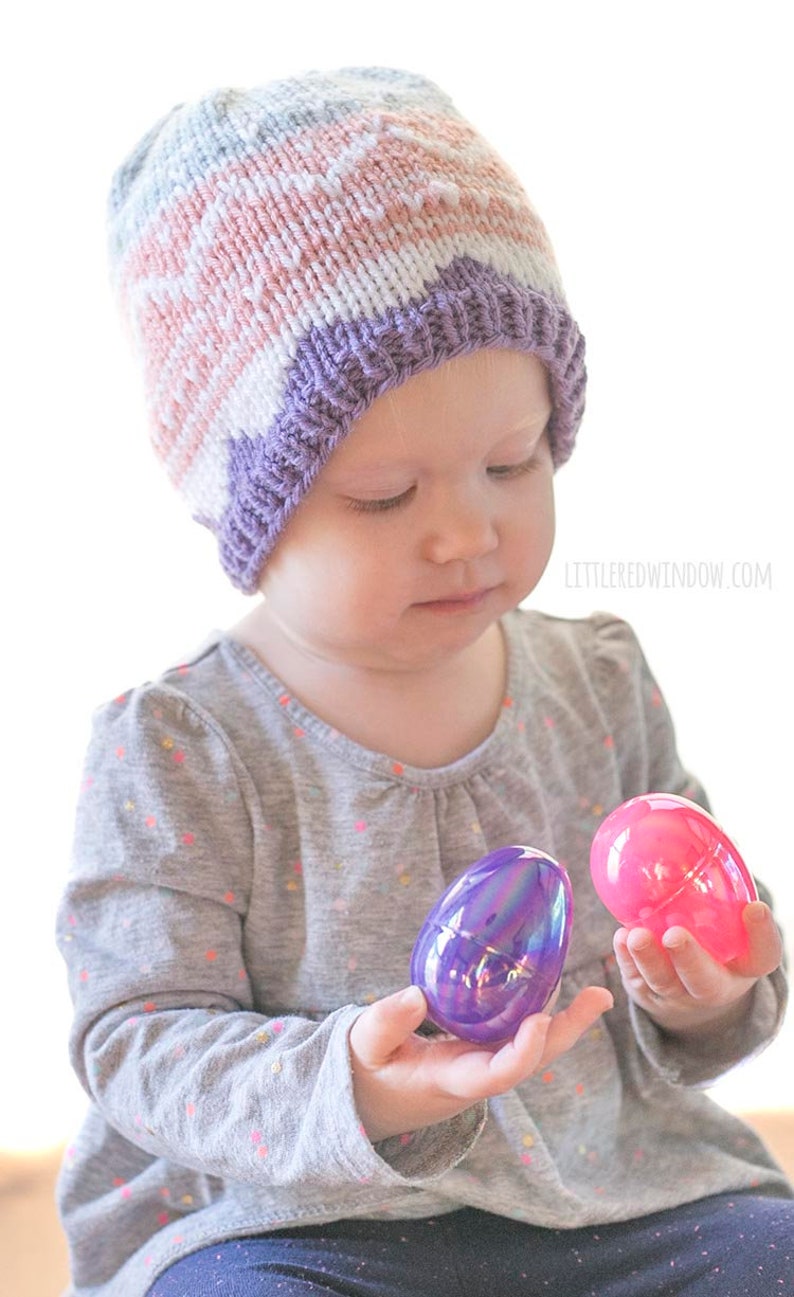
{"x":732,"y":1245}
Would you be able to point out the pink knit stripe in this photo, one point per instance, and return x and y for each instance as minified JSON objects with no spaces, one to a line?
{"x":169,"y":258}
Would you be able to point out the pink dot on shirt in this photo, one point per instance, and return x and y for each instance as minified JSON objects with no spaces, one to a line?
{"x":188,"y":839}
{"x":360,"y":826}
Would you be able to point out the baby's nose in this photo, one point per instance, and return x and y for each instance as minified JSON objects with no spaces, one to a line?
{"x":461,"y":527}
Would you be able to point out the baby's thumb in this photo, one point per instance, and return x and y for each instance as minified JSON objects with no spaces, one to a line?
{"x":385,"y":1025}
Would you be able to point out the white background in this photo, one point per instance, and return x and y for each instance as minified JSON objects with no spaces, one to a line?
{"x":655,"y":141}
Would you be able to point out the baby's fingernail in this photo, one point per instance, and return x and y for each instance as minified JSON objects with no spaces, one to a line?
{"x":412,"y":998}
{"x":756,"y":912}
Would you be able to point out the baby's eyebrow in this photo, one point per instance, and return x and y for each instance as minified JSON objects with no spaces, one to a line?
{"x":532,"y":429}
{"x":537,"y":419}
{"x":374,"y":473}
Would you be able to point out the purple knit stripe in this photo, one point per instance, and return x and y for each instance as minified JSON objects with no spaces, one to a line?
{"x":341,"y":369}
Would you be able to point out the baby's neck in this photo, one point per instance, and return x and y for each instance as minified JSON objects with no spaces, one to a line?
{"x":426,"y":718}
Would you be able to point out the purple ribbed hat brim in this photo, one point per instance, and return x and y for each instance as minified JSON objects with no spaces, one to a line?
{"x":340,"y":370}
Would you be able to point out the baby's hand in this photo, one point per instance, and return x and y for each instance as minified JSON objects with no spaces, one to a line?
{"x":682,"y":987}
{"x":403,"y":1081}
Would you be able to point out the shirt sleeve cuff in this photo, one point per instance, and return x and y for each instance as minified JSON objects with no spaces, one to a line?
{"x":429,"y":1153}
{"x":693,"y":1063}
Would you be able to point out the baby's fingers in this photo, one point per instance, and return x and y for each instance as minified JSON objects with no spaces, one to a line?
{"x":538,"y":1041}
{"x":766,"y":947}
{"x":570,"y":1024}
{"x":380,"y":1030}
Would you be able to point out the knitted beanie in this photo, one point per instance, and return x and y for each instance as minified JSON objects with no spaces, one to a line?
{"x":284,"y":255}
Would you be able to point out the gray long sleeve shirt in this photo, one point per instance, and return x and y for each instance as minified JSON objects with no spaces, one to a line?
{"x":245,"y":879}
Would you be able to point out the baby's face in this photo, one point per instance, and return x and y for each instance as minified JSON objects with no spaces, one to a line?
{"x":432,"y":518}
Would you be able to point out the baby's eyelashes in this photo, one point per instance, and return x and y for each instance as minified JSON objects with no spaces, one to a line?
{"x":514,"y":470}
{"x":380,"y":504}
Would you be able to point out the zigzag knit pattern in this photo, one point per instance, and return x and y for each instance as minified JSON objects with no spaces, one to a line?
{"x":285,"y":255}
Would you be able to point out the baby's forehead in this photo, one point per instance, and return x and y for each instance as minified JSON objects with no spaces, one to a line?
{"x":474,"y":401}
{"x":488,"y":384}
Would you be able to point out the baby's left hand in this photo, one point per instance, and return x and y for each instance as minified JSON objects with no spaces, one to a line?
{"x":682,"y":987}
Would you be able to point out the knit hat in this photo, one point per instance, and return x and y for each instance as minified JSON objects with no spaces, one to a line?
{"x":285,"y":255}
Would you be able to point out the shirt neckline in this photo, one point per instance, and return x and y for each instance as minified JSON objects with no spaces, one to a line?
{"x":307,"y":723}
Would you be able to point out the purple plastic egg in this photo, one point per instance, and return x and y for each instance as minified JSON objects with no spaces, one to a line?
{"x":492,"y":949}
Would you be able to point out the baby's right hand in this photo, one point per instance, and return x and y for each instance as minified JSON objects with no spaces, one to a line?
{"x":403,"y":1081}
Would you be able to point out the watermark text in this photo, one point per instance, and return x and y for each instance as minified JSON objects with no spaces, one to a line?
{"x":667,"y":574}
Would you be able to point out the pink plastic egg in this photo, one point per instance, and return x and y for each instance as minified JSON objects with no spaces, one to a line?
{"x":659,"y":861}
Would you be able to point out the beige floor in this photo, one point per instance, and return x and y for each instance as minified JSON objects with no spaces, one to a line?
{"x":33,"y":1249}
